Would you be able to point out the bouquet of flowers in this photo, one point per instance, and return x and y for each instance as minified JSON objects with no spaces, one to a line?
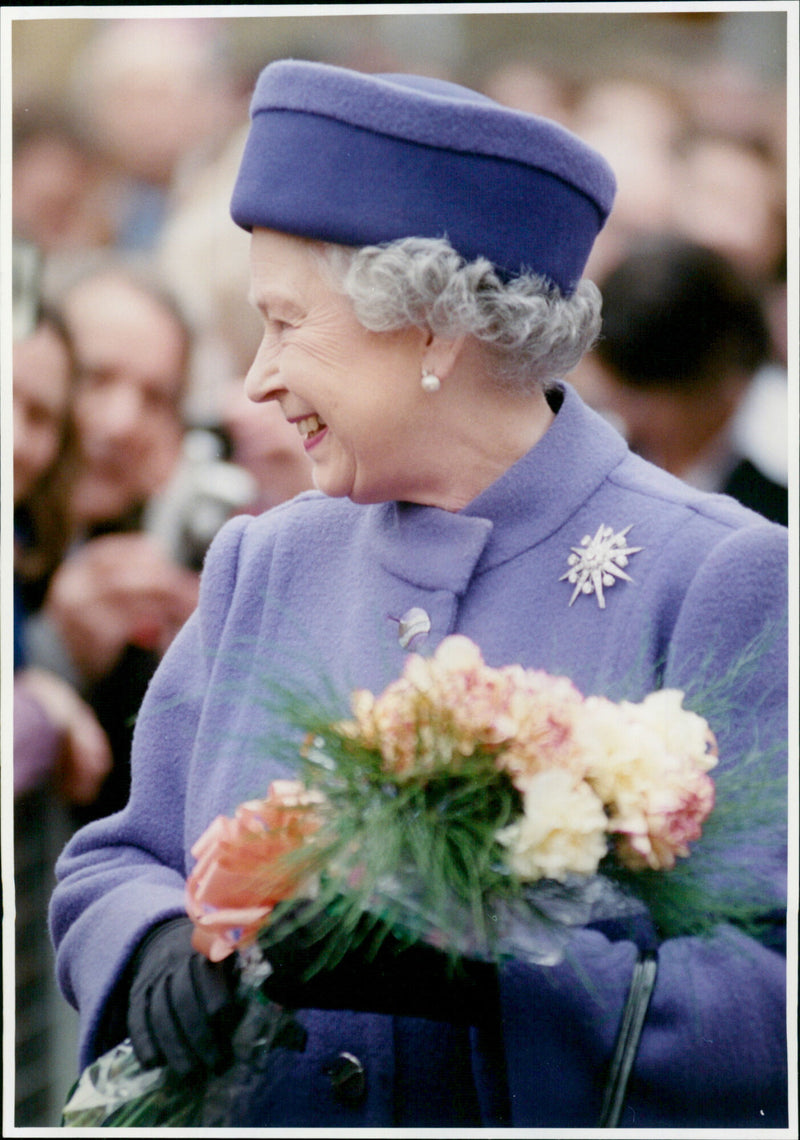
{"x":460,"y":801}
{"x":484,"y":810}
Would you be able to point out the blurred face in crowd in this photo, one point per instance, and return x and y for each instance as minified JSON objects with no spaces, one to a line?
{"x":56,"y":201}
{"x":152,"y":93}
{"x":131,"y":355}
{"x":731,"y":201}
{"x":635,"y":126}
{"x":41,"y":392}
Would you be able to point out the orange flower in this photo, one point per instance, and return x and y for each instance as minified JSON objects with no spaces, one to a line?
{"x":242,"y":871}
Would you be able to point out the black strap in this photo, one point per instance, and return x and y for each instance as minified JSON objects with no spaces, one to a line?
{"x":630,"y":1031}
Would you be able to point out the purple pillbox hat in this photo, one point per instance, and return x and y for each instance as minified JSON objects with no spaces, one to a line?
{"x":361,"y":159}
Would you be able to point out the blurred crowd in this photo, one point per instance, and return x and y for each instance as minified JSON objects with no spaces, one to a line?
{"x":133,"y":440}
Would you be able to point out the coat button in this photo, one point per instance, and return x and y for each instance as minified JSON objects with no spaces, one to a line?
{"x":413,"y":627}
{"x":348,"y":1079}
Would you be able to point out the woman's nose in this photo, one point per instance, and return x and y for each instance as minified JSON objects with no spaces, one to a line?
{"x":263,"y":378}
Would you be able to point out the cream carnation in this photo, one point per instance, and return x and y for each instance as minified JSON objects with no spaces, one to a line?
{"x":684,"y":733}
{"x":562,"y":830}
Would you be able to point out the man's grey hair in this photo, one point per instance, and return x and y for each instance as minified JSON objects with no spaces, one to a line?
{"x":533,"y":333}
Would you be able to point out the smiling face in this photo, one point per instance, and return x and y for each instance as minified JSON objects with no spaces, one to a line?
{"x":354,"y":395}
{"x":131,"y":363}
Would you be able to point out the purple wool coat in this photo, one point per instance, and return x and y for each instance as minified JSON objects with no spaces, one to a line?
{"x":316,"y":588}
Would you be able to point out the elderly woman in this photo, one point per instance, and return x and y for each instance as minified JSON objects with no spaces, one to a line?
{"x":416,"y":257}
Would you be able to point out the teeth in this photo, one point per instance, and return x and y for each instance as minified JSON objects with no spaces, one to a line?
{"x":309,"y":425}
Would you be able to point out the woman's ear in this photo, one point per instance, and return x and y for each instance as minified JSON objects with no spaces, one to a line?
{"x":441,"y":354}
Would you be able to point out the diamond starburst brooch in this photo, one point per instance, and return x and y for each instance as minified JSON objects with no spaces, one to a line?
{"x":598,"y":562}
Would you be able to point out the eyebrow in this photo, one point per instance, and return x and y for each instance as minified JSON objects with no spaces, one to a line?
{"x":270,"y":302}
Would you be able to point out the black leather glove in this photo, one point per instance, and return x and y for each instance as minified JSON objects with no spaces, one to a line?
{"x":380,"y":974}
{"x":182,"y":1008}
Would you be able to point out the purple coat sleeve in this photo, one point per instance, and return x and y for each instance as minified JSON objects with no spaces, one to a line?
{"x":120,"y":875}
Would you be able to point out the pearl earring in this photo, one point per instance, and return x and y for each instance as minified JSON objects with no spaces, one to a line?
{"x":430,"y":382}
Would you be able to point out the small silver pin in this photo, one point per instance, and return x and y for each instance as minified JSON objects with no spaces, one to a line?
{"x":413,"y":626}
{"x":599,"y":562}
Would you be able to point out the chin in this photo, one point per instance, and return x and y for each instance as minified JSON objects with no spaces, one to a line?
{"x":333,"y":488}
{"x":366,"y":497}
{"x":345,"y":484}
{"x":331,"y":491}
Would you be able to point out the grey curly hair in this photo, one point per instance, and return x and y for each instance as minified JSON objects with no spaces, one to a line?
{"x":534,"y":334}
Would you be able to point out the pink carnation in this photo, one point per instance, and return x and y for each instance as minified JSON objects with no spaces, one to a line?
{"x":448,"y":706}
{"x":669,"y":831}
{"x":546,"y":711}
{"x":649,"y":764}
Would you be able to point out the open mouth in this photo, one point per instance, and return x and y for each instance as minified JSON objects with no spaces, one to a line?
{"x":310,"y":427}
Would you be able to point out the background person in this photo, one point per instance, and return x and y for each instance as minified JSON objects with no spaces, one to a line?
{"x":117,"y":598}
{"x":55,"y":732}
{"x":637,"y":124}
{"x":60,"y":752}
{"x":156,"y":100}
{"x":683,"y":338}
{"x":455,"y":472}
{"x":60,"y":194}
